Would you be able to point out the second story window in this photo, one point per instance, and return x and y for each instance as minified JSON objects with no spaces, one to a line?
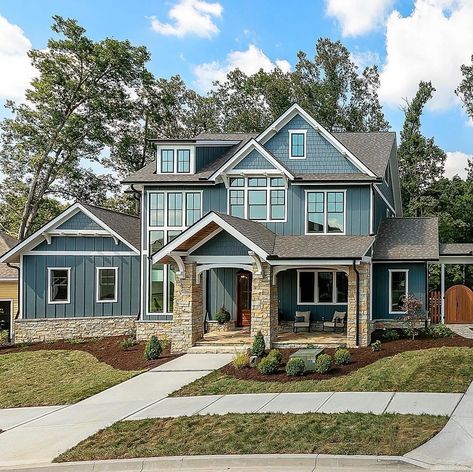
{"x":325,"y":212}
{"x":257,"y":198}
{"x":183,"y":161}
{"x":175,"y":160}
{"x":297,"y":144}
{"x":167,"y":161}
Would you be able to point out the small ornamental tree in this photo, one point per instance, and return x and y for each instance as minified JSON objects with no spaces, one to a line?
{"x":412,"y":307}
{"x":153,"y":349}
{"x":259,"y":345}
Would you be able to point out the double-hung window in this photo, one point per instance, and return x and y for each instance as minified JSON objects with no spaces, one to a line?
{"x":322,"y":287}
{"x":297,"y":144}
{"x":257,"y":198}
{"x":325,"y":212}
{"x":107,"y":284}
{"x":175,"y":160}
{"x":398,"y":287}
{"x":167,"y":161}
{"x":59,"y":285}
{"x":183,"y":161}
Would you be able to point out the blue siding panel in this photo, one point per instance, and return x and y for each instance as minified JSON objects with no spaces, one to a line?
{"x":206,"y":155}
{"x":81,"y":243}
{"x":80,"y":221}
{"x":254,"y":160}
{"x":221,"y":291}
{"x":222,"y":244}
{"x":417,"y":280}
{"x":322,"y":157}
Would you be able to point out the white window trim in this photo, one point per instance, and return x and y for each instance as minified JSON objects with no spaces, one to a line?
{"x":267,"y":188}
{"x":297,"y":131}
{"x":306,"y":226}
{"x":59,"y":302}
{"x":406,"y":271}
{"x":165,"y":228}
{"x":316,"y":287}
{"x":97,"y":285}
{"x":175,"y":148}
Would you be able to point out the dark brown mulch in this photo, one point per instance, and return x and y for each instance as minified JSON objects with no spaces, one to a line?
{"x":359,"y":358}
{"x":106,"y":350}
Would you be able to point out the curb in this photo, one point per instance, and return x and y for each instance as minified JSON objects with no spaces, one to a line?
{"x":292,"y":462}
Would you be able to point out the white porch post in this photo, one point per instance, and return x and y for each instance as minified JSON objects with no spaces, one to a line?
{"x":442,"y":293}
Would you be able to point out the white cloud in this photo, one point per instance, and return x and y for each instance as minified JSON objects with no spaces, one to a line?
{"x":16,"y":70}
{"x":249,"y":61}
{"x":190,"y":17}
{"x":357,"y":17}
{"x":365,"y":58}
{"x":456,"y":164}
{"x":430,"y":44}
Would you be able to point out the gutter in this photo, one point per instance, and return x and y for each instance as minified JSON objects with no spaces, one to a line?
{"x":357,"y":317}
{"x":18,"y":289}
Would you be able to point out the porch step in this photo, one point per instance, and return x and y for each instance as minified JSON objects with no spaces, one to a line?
{"x":207,"y":348}
{"x":299,"y":345}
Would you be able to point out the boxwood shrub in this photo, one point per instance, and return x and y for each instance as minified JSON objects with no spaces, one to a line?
{"x":323,"y":363}
{"x":295,"y":366}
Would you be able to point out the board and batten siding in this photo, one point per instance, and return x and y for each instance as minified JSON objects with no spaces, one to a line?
{"x":221,"y":291}
{"x":417,"y":286}
{"x":82,"y":280}
{"x":81,"y":243}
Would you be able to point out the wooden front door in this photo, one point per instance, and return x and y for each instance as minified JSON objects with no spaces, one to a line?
{"x":244,"y":298}
{"x":459,"y":304}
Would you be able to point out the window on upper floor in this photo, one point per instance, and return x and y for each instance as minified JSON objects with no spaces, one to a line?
{"x":321,"y":287}
{"x":325,"y":212}
{"x":175,"y":160}
{"x":258,"y":198}
{"x":297,"y":144}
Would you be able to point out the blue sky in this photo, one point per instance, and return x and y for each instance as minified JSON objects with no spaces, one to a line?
{"x":201,"y":40}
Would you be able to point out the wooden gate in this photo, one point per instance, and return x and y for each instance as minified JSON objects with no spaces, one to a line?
{"x":459,"y":304}
{"x":434,"y":306}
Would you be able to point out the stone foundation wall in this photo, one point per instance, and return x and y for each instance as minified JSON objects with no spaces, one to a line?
{"x":215,"y":327}
{"x":146,"y":329}
{"x":364,"y":328}
{"x":55,"y":329}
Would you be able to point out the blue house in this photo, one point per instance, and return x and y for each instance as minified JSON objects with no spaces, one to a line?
{"x":293,"y":219}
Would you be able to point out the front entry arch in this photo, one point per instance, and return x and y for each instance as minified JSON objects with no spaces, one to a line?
{"x":459,"y":305}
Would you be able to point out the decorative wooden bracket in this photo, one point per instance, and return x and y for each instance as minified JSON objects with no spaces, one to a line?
{"x":181,"y":272}
{"x":257,"y":261}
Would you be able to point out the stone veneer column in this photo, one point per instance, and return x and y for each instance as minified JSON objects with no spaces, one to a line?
{"x":188,"y":318}
{"x":364,"y":307}
{"x":264,"y":304}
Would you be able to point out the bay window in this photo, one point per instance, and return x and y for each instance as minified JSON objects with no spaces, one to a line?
{"x":322,"y":287}
{"x":325,"y":212}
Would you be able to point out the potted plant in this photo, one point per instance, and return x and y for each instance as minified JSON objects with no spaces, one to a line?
{"x":222,"y":316}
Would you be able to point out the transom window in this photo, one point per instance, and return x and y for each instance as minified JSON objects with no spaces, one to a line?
{"x":297,"y":144}
{"x":322,"y":287}
{"x":59,"y":285}
{"x":398,"y":287}
{"x":325,"y":212}
{"x":257,"y":198}
{"x":175,"y":160}
{"x":107,"y":286}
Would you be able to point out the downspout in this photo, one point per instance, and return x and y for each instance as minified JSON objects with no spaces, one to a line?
{"x":357,"y":317}
{"x":17,"y":289}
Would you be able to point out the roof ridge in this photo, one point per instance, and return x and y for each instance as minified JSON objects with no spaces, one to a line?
{"x":109,"y":210}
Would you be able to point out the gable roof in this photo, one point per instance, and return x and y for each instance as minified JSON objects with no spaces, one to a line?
{"x":6,"y":243}
{"x":407,"y":239}
{"x":456,"y":249}
{"x":119,"y":225}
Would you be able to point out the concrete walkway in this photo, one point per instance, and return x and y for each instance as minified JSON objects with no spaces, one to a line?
{"x":43,"y":438}
{"x":463,"y":330}
{"x":454,"y":444}
{"x":316,"y":402}
{"x":13,"y":417}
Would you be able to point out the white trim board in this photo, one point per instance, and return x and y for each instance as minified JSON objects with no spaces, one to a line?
{"x":97,"y":285}
{"x":391,"y":271}
{"x":59,"y":302}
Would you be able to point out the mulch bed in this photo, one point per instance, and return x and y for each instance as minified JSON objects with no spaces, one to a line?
{"x":106,"y":350}
{"x":359,"y":358}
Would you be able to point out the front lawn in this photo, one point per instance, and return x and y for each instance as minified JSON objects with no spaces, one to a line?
{"x":43,"y":377}
{"x":445,"y":369}
{"x":344,"y":433}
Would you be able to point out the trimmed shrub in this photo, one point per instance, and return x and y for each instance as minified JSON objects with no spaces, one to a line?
{"x":276,"y":354}
{"x":222,"y":316}
{"x":391,"y":335}
{"x":440,"y":331}
{"x":342,"y":356}
{"x":240,"y":361}
{"x":323,"y":363}
{"x":295,"y":366}
{"x":268,"y":365}
{"x":153,"y":349}
{"x":128,"y":342}
{"x":376,"y":346}
{"x":259,"y":345}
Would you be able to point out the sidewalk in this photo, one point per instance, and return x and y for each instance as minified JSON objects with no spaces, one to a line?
{"x":44,"y":438}
{"x":317,"y":402}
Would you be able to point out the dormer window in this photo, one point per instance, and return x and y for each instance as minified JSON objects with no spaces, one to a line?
{"x":297,"y":144}
{"x":175,"y":160}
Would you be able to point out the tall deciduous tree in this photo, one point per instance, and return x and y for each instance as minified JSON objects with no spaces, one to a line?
{"x":71,"y":111}
{"x":421,"y":161}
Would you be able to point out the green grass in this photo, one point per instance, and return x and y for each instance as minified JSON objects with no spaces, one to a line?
{"x":445,"y":369}
{"x":36,"y":378}
{"x":344,"y":433}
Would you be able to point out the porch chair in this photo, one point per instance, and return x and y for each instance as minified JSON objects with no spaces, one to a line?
{"x":338,"y":321}
{"x":302,"y":320}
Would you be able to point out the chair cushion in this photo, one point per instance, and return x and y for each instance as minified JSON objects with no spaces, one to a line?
{"x":339,"y":317}
{"x":299,"y":319}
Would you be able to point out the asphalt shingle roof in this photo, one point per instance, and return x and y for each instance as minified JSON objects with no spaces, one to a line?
{"x":127,"y":226}
{"x":456,"y":249}
{"x":405,"y":239}
{"x":6,"y":243}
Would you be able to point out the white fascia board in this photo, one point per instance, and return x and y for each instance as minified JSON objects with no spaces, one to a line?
{"x":194,"y":229}
{"x":243,"y":152}
{"x":375,"y":186}
{"x":297,"y":110}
